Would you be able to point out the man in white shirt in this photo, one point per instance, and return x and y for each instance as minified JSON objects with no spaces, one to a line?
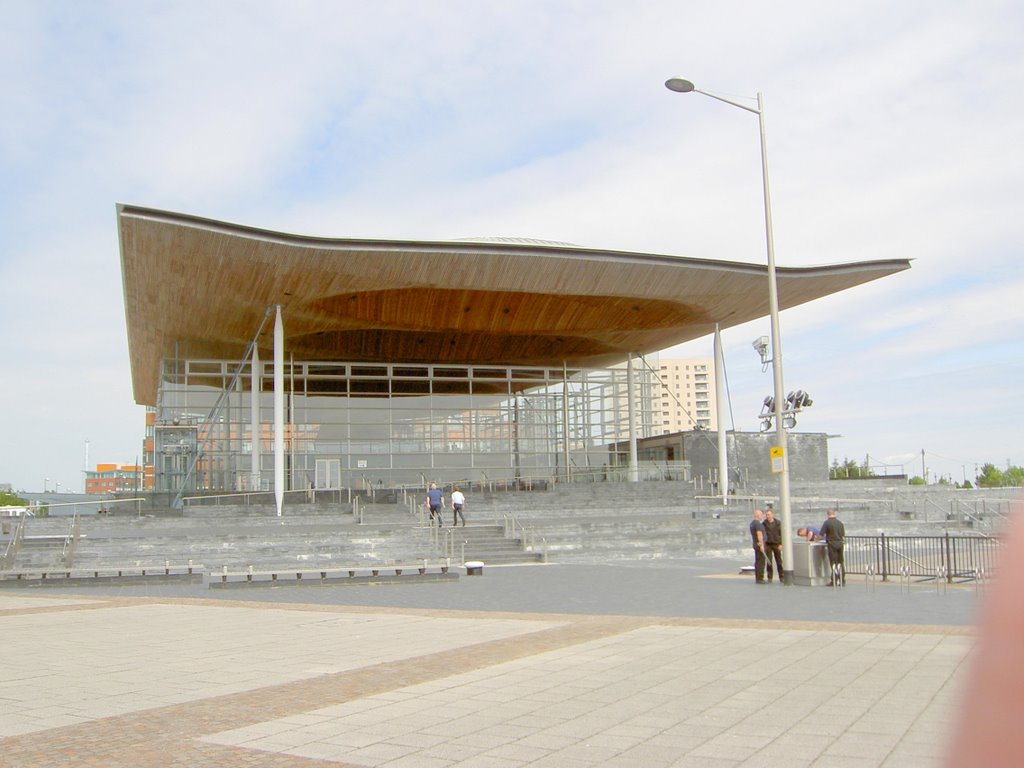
{"x":458,"y":499}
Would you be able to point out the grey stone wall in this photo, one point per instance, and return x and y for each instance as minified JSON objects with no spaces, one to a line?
{"x":749,"y":460}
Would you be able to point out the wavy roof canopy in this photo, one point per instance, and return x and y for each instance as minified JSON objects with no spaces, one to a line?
{"x":198,"y":288}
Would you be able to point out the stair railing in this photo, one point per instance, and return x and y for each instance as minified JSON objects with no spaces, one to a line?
{"x":14,"y":544}
{"x":528,"y":536}
{"x":67,"y":555}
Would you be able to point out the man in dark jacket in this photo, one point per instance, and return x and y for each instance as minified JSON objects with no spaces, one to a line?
{"x":757,"y":539}
{"x":834,"y":533}
{"x":772,"y":543}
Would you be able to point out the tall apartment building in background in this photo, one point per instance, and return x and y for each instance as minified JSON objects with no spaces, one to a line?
{"x":685,"y":395}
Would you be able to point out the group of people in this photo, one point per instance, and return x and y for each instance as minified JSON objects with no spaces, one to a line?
{"x":435,"y":503}
{"x":766,"y":537}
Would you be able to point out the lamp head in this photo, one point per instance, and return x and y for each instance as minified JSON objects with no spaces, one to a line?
{"x":679,"y":85}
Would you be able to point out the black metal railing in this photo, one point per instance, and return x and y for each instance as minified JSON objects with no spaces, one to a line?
{"x":953,"y":558}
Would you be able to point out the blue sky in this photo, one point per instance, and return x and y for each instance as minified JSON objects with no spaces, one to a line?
{"x":893,"y":132}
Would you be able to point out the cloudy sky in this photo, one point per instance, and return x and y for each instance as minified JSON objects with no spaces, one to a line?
{"x":894,"y":131}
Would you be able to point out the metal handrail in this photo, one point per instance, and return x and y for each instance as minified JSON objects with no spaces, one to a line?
{"x":101,"y":504}
{"x":528,"y":534}
{"x":922,"y":557}
{"x":244,"y":496}
{"x":67,"y":554}
{"x":913,"y":502}
{"x":14,"y":544}
{"x":960,"y":507}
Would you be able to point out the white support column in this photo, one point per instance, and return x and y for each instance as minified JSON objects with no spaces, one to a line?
{"x":565,"y":423}
{"x":634,"y":467}
{"x":255,"y":385}
{"x":279,"y":411}
{"x":291,"y":419}
{"x":720,"y":397}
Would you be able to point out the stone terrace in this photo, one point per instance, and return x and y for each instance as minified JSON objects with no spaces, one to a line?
{"x":570,"y":523}
{"x":596,"y":522}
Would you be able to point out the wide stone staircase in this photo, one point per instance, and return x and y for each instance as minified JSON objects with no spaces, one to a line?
{"x":564,"y":523}
{"x":637,"y":521}
{"x":238,"y":537}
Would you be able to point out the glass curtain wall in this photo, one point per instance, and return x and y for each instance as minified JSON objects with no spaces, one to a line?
{"x":359,"y":425}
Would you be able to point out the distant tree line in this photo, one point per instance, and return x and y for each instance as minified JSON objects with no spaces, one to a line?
{"x":850,"y":469}
{"x":990,"y":475}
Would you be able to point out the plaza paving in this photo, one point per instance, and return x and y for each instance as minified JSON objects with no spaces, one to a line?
{"x":703,"y":668}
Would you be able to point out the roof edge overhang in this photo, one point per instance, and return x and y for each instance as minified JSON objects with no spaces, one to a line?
{"x":197,"y":286}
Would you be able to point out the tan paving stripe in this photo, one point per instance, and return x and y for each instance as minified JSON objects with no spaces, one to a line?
{"x":90,"y":606}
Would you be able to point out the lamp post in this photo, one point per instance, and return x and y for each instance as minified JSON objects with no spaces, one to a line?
{"x":679,"y":85}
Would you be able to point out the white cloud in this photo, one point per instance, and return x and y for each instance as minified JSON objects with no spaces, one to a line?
{"x":892,"y":133}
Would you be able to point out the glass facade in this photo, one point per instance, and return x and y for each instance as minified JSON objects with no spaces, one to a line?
{"x":353,"y":425}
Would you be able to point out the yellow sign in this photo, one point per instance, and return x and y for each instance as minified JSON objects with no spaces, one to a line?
{"x":777,"y":455}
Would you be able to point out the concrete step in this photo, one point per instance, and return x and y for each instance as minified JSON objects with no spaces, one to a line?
{"x":489,"y":544}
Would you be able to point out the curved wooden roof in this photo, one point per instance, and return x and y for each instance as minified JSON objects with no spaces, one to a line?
{"x":199,"y":288}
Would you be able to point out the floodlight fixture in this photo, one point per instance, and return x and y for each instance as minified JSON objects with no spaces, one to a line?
{"x":798,"y":400}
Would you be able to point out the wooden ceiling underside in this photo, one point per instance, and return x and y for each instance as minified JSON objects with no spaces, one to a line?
{"x":200,"y":288}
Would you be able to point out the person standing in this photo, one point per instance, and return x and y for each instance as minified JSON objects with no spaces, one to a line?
{"x":757,"y":539}
{"x":435,"y":500}
{"x":772,"y":543}
{"x":458,"y":499}
{"x":834,"y":533}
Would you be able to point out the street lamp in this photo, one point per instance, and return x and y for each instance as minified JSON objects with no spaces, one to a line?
{"x":781,"y":463}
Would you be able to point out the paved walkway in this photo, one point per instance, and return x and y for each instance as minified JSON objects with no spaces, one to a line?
{"x":296,"y":677}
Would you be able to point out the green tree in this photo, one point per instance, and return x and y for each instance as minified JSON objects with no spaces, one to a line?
{"x":991,"y":477}
{"x":917,"y":480}
{"x":1014,"y":476}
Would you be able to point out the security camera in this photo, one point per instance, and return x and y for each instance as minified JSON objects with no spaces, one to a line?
{"x":760,"y":345}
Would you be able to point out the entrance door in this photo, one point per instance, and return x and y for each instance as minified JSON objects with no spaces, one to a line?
{"x":328,"y":474}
